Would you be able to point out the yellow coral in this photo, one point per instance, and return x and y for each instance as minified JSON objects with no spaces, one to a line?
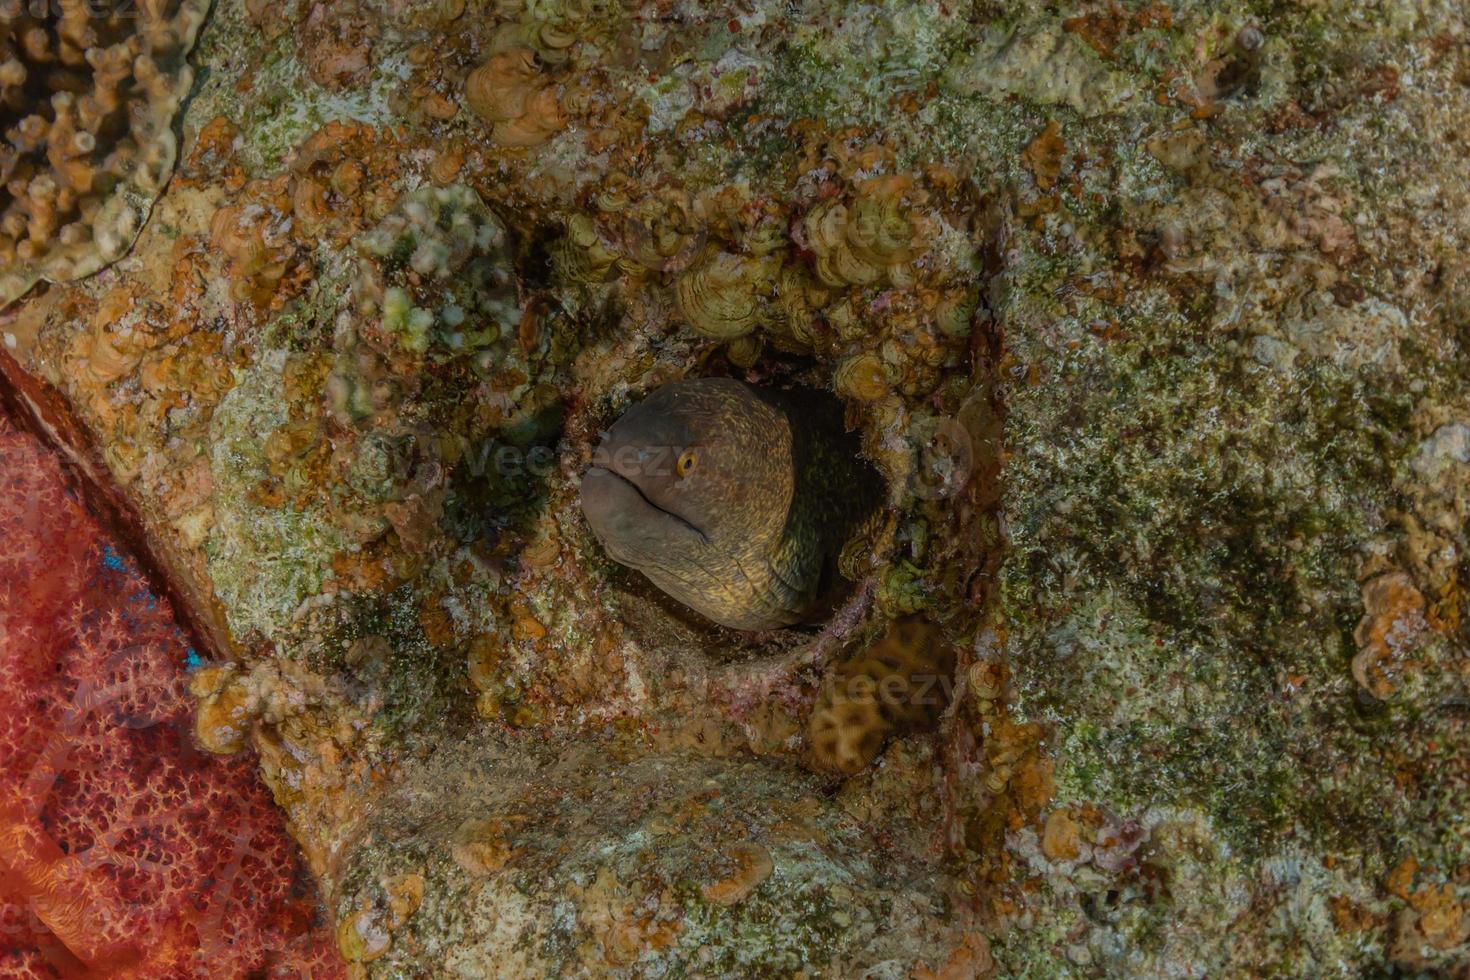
{"x":869,"y":241}
{"x":553,"y":27}
{"x":363,"y":936}
{"x":481,"y":846}
{"x":86,"y":160}
{"x":367,"y":933}
{"x":405,"y":894}
{"x":846,"y":733}
{"x":861,"y":377}
{"x":111,"y":349}
{"x":542,"y":120}
{"x":509,"y":93}
{"x":900,"y":683}
{"x":309,"y":205}
{"x":791,"y":320}
{"x":582,"y":255}
{"x":723,"y":295}
{"x":256,"y":266}
{"x":664,"y":231}
{"x":497,"y":90}
{"x":226,"y":709}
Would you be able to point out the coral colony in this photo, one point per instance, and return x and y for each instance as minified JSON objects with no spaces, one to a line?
{"x":88,"y":93}
{"x":126,"y":850}
{"x":1093,"y":606}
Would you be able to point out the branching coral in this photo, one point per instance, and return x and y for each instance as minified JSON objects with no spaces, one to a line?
{"x":88,"y":97}
{"x":123,"y":850}
{"x":447,"y":246}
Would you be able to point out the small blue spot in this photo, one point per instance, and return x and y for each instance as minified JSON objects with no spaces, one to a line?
{"x":111,"y":558}
{"x":192,"y":660}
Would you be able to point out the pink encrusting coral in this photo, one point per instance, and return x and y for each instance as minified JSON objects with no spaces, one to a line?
{"x":124,"y":850}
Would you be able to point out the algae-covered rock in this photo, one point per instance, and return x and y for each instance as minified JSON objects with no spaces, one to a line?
{"x":580,"y":859}
{"x":1152,"y":317}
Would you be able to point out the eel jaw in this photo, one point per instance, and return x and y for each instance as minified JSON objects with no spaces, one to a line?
{"x":632,"y":527}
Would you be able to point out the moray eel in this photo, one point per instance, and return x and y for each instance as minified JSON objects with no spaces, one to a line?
{"x":732,"y":499}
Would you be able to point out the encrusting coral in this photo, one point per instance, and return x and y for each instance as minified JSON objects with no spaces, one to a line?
{"x":723,"y":295}
{"x":515,"y":98}
{"x":867,"y":241}
{"x":87,"y":104}
{"x":751,"y":865}
{"x":898,"y":684}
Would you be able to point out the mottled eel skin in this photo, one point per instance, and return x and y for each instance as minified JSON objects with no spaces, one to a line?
{"x":733,"y":499}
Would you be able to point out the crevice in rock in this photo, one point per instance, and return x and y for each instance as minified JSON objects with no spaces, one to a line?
{"x":38,"y":408}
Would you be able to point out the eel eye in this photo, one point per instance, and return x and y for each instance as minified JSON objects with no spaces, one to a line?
{"x":688,"y":460}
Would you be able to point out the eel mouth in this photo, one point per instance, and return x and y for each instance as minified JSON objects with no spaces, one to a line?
{"x":615,"y":504}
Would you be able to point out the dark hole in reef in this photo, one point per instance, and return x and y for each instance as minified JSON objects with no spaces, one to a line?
{"x":504,"y":482}
{"x":533,"y":256}
{"x":661,"y":624}
{"x":778,"y":369}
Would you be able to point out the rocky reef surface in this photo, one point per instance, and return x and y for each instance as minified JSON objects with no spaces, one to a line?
{"x":1152,"y":317}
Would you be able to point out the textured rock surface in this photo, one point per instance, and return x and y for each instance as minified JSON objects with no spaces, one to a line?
{"x":1152,"y":317}
{"x":660,"y":863}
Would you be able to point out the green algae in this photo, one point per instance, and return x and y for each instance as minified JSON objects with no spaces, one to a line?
{"x":1201,"y":506}
{"x":846,"y":66}
{"x":264,"y":560}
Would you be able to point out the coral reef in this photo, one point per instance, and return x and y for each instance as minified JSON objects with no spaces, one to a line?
{"x":1151,"y":316}
{"x":126,"y":853}
{"x":509,"y":93}
{"x":88,"y":97}
{"x":733,"y":867}
{"x":900,"y":683}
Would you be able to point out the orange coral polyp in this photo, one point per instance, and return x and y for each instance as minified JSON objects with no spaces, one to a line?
{"x":34,"y":871}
